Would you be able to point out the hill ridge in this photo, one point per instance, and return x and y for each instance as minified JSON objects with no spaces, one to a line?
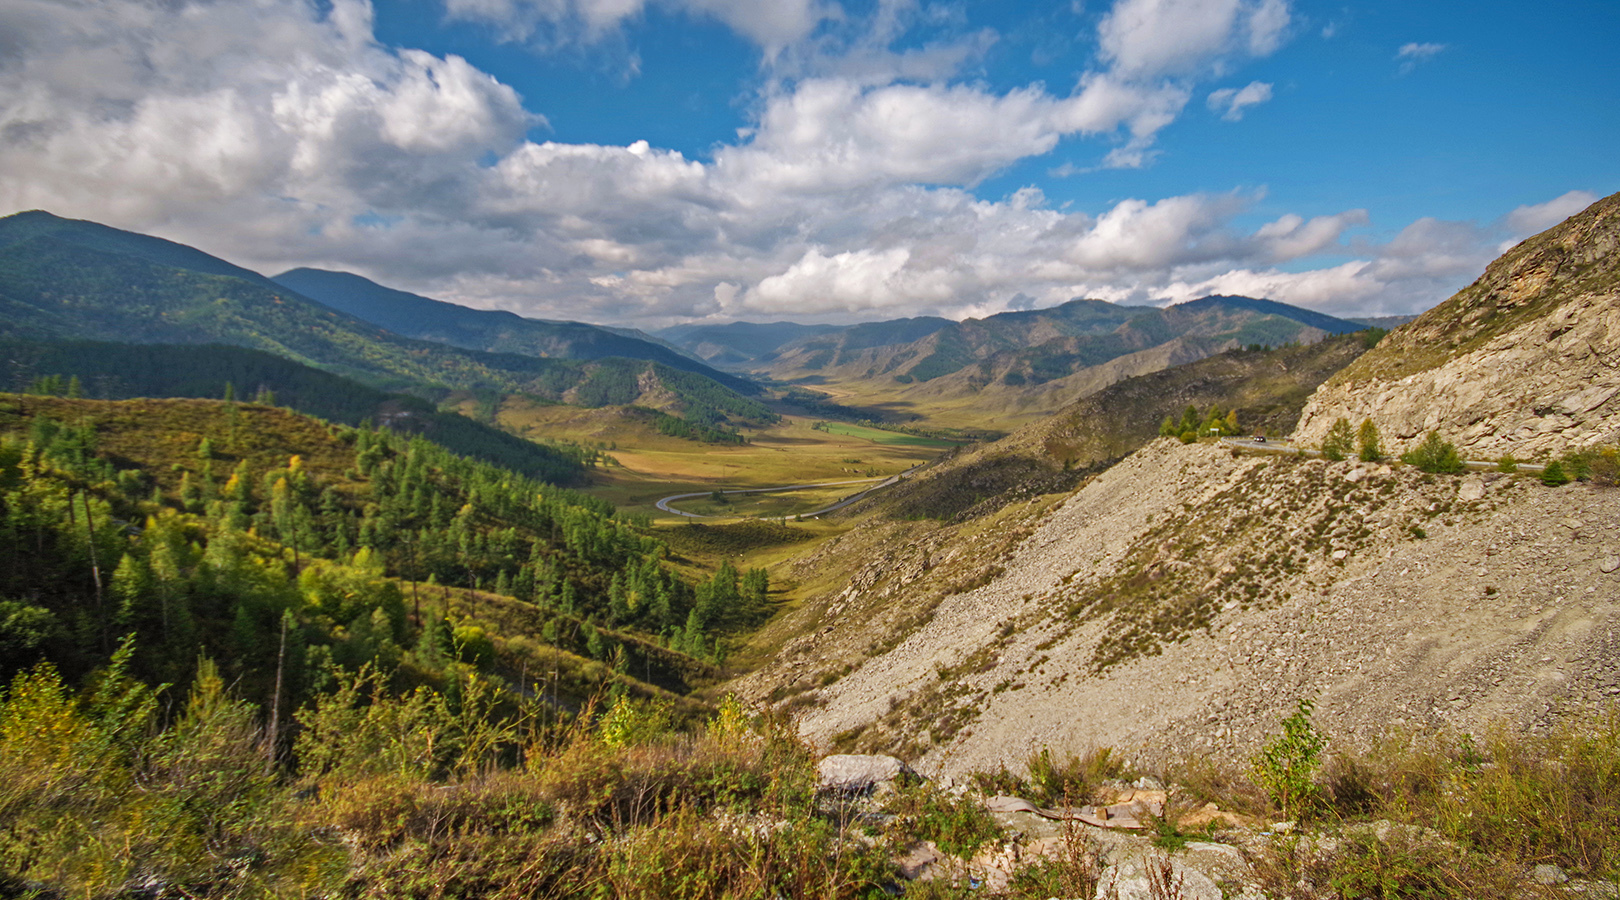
{"x":1525,"y":361}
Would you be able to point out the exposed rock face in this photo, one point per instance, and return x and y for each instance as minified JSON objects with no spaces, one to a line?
{"x":1525,"y":361}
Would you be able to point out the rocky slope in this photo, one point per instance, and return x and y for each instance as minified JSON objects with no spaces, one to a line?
{"x":1184,"y":600}
{"x":1523,"y":362}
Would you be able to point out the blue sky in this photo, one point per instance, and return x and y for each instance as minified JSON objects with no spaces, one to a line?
{"x":653,"y":161}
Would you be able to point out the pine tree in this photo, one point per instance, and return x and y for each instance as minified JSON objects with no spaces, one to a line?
{"x":1339,"y":441}
{"x":1369,"y":449}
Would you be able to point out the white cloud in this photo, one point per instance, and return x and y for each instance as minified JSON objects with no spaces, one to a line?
{"x":770,"y":24}
{"x":275,"y":135}
{"x":831,"y":135}
{"x":1151,"y":38}
{"x":1535,"y":218}
{"x":1292,"y":237}
{"x":1231,"y":102}
{"x":1410,"y":55}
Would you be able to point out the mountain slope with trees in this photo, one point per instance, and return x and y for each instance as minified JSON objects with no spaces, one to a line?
{"x":62,"y":278}
{"x":310,"y":511}
{"x":108,"y":371}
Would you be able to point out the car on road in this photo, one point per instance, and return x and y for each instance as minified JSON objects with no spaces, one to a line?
{"x":1259,"y":439}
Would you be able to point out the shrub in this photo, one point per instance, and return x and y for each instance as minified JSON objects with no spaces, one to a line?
{"x":1074,"y":780}
{"x":1554,"y":475}
{"x":1286,"y":766}
{"x":957,"y":825}
{"x":629,"y":723}
{"x":1435,"y":455}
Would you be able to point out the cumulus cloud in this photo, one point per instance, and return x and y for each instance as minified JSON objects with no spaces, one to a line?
{"x":1538,"y":217}
{"x":1231,"y":102}
{"x":276,"y":134}
{"x":770,"y":24}
{"x":1150,"y":38}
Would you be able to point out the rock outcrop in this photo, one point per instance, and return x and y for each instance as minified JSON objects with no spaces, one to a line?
{"x":1524,"y":362}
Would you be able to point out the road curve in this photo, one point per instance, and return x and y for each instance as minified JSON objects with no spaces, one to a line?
{"x":882,"y":483}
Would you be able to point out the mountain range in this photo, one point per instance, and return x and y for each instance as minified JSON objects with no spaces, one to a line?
{"x":496,"y":331}
{"x":70,"y":279}
{"x":1006,"y":369}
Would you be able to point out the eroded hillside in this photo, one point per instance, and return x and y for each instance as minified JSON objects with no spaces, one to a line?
{"x":1187,"y":597}
{"x":1523,"y":362}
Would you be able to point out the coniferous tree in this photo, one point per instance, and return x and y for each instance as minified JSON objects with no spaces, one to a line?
{"x":1369,"y":447}
{"x":1339,"y":441}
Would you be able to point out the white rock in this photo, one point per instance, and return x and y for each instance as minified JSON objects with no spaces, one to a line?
{"x":1548,"y":875}
{"x":855,"y":772}
{"x":1128,"y":880}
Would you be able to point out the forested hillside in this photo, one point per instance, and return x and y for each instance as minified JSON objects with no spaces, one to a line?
{"x":66,"y":279}
{"x":106,"y":371}
{"x":198,"y":525}
{"x":499,"y":331}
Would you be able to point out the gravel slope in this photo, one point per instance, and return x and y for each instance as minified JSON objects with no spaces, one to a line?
{"x":1236,"y":585}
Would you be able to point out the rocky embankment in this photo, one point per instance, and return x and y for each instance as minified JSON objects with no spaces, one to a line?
{"x":1184,"y":600}
{"x":1523,"y":362}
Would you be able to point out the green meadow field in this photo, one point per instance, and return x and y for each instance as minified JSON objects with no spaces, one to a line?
{"x":646,"y":466}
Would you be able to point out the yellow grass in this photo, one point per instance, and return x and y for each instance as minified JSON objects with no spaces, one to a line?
{"x":773,"y":505}
{"x":651,"y":466}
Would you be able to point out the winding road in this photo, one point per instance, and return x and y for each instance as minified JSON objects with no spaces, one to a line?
{"x":881,"y":484}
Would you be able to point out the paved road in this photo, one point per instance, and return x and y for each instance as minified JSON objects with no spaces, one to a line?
{"x":882,"y":483}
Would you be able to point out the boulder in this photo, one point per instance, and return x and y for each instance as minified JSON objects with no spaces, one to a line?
{"x":1548,"y":875}
{"x":1138,"y":877}
{"x":856,"y":773}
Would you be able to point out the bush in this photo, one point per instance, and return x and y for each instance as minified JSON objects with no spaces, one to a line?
{"x":1075,"y":780}
{"x":1554,"y":475}
{"x":1436,"y":456}
{"x":1286,"y":766}
{"x":957,"y":825}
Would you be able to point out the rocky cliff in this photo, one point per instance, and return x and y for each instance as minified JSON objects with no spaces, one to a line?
{"x":1523,"y":362}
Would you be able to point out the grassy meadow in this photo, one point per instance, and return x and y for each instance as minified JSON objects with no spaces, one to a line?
{"x":771,"y":505}
{"x":647,"y":466}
